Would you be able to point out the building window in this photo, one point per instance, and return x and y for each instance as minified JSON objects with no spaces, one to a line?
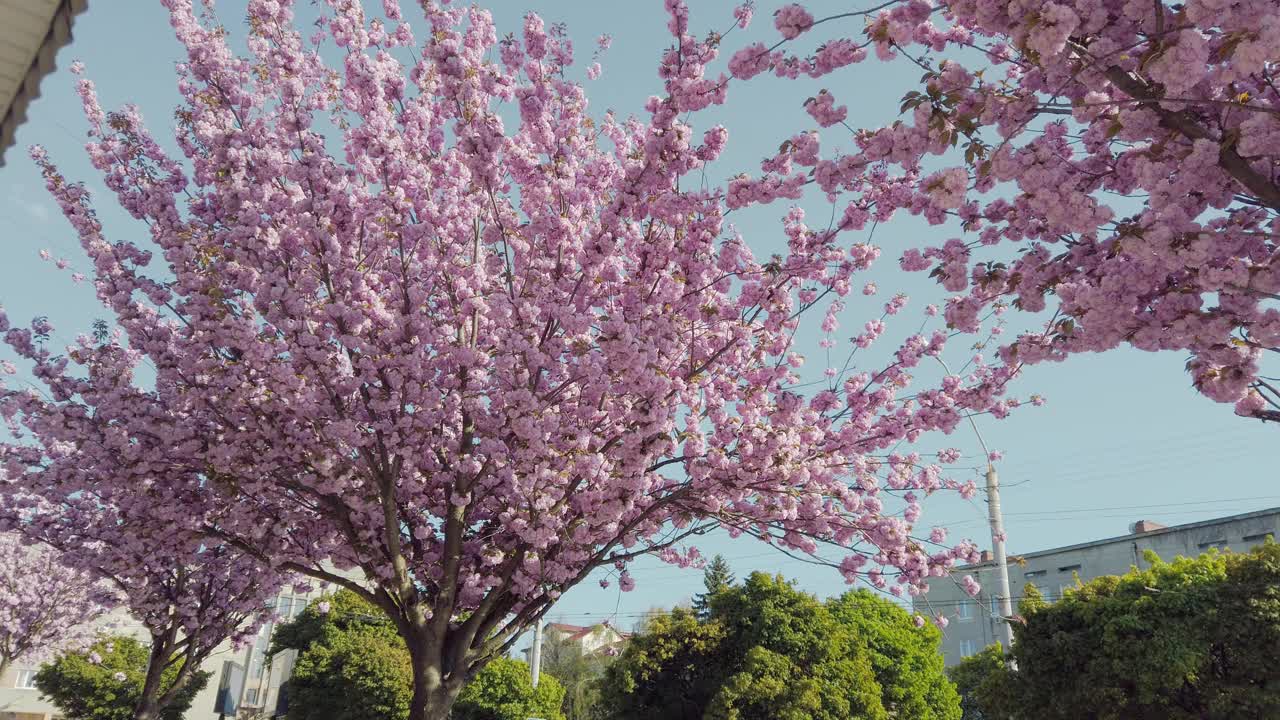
{"x":251,"y":696}
{"x":995,"y":607}
{"x":1220,"y":542}
{"x":1035,"y":573}
{"x":26,"y":680}
{"x":966,"y":648}
{"x":1068,"y":568}
{"x":285,"y":607}
{"x":1258,"y":537}
{"x":965,"y":611}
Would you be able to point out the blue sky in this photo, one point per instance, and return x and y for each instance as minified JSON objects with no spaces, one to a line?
{"x":1122,"y":437}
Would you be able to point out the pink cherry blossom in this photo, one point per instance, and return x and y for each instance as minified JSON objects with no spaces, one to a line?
{"x":947,"y":187}
{"x":421,"y":320}
{"x":824,"y":110}
{"x":792,"y":20}
{"x":1046,"y":139}
{"x":46,"y":606}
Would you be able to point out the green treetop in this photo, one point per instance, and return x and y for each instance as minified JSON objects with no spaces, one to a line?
{"x":717,"y":577}
{"x":766,"y":650}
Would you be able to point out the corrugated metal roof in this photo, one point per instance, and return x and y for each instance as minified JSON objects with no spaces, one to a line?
{"x":31,"y":33}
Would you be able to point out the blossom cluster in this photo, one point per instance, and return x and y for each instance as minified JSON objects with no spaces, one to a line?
{"x":423,"y":321}
{"x":1110,"y":161}
{"x":46,"y":604}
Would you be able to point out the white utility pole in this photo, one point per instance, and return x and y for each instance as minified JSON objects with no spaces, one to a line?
{"x":535,"y":656}
{"x":1005,"y":629}
{"x":1005,"y":621}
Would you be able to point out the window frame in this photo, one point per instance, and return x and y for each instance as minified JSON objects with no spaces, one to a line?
{"x":27,"y":674}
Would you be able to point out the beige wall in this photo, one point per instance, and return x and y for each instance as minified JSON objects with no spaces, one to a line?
{"x":271,"y":675}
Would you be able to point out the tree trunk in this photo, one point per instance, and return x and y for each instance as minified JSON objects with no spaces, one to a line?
{"x":152,"y":687}
{"x":5,"y":661}
{"x":433,"y":698}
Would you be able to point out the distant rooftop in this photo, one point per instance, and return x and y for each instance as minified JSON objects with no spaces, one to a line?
{"x":578,"y":631}
{"x":1141,"y":528}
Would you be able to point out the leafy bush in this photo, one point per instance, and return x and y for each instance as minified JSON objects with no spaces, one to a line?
{"x":104,"y":681}
{"x":1195,"y":638}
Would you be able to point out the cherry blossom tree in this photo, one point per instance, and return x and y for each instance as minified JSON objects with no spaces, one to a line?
{"x":190,"y":595}
{"x":45,"y":604}
{"x":1112,"y":164}
{"x":428,"y":330}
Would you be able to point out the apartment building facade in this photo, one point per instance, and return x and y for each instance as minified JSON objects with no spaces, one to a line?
{"x":244,"y":676}
{"x":973,"y":623}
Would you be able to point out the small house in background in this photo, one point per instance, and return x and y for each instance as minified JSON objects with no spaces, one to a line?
{"x":601,"y":638}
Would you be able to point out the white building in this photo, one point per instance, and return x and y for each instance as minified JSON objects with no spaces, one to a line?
{"x":256,"y":692}
{"x":974,"y":622}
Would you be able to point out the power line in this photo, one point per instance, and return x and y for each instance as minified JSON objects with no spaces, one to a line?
{"x":1036,"y":516}
{"x":1212,"y":512}
{"x":1148,"y":507}
{"x":1062,"y":514}
{"x":1175,"y":450}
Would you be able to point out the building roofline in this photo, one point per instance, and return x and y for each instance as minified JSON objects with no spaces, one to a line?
{"x":1130,"y":536}
{"x":57,"y":35}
